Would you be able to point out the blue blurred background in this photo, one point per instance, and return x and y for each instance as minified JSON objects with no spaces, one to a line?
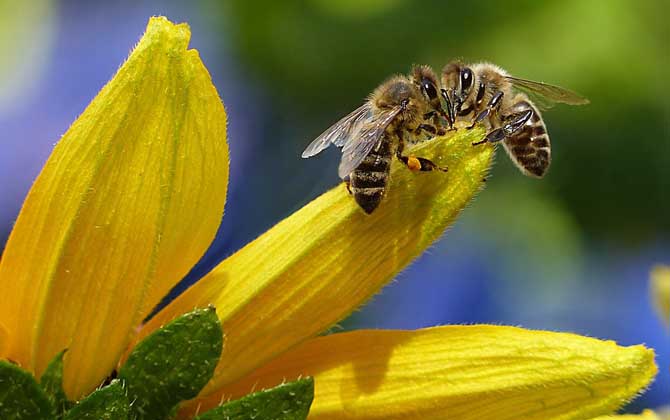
{"x":571,"y":252}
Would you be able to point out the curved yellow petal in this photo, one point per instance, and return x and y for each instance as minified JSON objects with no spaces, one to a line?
{"x":128,"y":201}
{"x":660,"y":291}
{"x":318,"y":265}
{"x":456,"y":373}
{"x":645,"y":415}
{"x":4,"y":340}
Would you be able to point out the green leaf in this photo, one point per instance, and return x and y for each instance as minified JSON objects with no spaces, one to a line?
{"x":52,"y":383}
{"x":21,"y":396}
{"x":108,"y":403}
{"x":173,"y":364}
{"x":290,"y":401}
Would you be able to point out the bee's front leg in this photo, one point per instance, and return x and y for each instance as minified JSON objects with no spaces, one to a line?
{"x":429,"y":129}
{"x":492,"y":106}
{"x":514,"y":123}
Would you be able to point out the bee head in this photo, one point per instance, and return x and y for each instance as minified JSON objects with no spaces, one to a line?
{"x":457,"y":81}
{"x":425,"y":80}
{"x":397,"y":91}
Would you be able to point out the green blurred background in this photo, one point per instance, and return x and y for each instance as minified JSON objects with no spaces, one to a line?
{"x":320,"y":58}
{"x":570,"y":252}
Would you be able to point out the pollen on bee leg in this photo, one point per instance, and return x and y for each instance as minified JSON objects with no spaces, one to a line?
{"x":413,"y":163}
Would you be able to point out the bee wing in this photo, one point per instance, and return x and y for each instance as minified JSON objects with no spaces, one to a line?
{"x":358,"y":147}
{"x":341,"y":131}
{"x":547,"y":95}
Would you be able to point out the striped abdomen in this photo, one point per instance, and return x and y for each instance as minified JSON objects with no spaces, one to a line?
{"x":368,"y":181}
{"x":529,"y":148}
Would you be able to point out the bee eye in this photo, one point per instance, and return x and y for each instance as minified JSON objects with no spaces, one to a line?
{"x":466,"y":79}
{"x":429,"y":89}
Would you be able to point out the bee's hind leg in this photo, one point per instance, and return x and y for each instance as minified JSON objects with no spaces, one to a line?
{"x":514,"y":123}
{"x":415,"y":163}
{"x":347,"y":183}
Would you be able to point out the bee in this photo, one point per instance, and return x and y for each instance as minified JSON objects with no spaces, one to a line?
{"x":403,"y":109}
{"x":485,"y":93}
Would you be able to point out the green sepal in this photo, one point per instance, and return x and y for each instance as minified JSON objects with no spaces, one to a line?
{"x":21,"y":397}
{"x":52,"y":384}
{"x":173,"y":363}
{"x":289,"y":401}
{"x":107,"y":403}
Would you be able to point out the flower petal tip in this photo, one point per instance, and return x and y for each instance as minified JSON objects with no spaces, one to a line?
{"x":179,"y":33}
{"x":129,"y":200}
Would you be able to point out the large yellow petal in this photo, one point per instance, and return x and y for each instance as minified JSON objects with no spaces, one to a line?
{"x":4,"y":339}
{"x":315,"y":267}
{"x":128,"y":201}
{"x":457,"y":373}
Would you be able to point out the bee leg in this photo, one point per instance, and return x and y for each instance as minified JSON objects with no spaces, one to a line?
{"x":493,"y":137}
{"x":514,"y":123}
{"x":492,"y":106}
{"x":347,"y":183}
{"x":429,"y":129}
{"x":437,"y":124}
{"x":429,"y":115}
{"x":415,"y":163}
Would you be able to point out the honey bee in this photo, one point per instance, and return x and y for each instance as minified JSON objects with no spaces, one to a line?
{"x":485,"y":93}
{"x":403,"y":109}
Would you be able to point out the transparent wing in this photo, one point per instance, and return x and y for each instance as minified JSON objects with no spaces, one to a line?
{"x":341,"y":131}
{"x":358,"y":147}
{"x":546,"y":95}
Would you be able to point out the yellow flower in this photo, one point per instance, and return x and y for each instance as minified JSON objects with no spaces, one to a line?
{"x":127,"y":203}
{"x":132,"y":196}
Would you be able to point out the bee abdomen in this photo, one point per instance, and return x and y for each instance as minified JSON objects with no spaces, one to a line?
{"x":369,"y":198}
{"x":368,"y":188}
{"x":369,"y":179}
{"x":530,"y":147}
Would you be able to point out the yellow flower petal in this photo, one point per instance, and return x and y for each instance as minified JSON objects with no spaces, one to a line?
{"x":4,"y":339}
{"x":660,"y":291}
{"x":318,"y":265}
{"x":457,"y":373}
{"x":129,"y":200}
{"x":645,"y":415}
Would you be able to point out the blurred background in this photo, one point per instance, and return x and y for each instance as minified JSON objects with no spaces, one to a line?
{"x":570,"y":253}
